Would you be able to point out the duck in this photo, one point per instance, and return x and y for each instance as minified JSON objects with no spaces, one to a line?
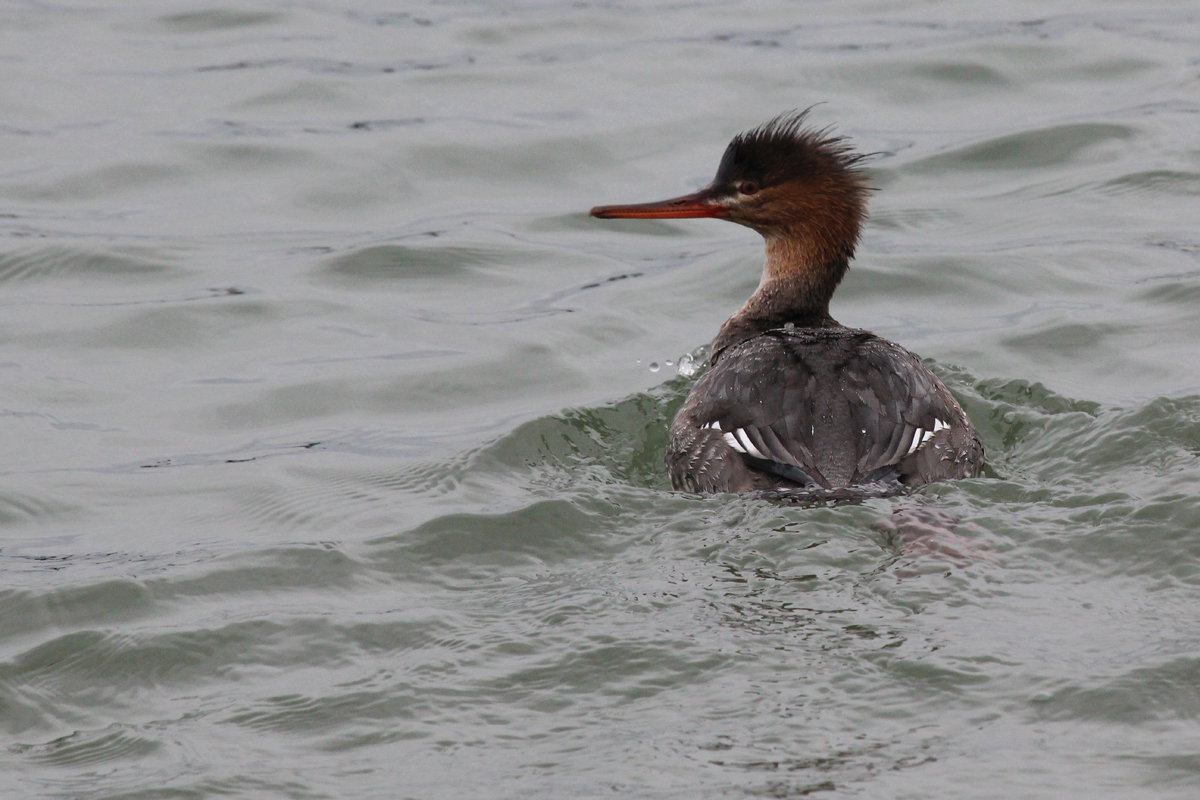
{"x":794,"y":405}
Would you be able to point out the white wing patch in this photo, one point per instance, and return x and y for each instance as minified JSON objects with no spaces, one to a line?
{"x":747,"y":445}
{"x":738,"y":440}
{"x":921,"y":436}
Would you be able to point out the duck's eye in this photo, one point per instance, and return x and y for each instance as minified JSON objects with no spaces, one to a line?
{"x":749,"y":187}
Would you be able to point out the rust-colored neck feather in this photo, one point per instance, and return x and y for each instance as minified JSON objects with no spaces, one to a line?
{"x":810,"y":233}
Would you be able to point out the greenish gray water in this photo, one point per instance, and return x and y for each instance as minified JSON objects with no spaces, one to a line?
{"x":333,"y":459}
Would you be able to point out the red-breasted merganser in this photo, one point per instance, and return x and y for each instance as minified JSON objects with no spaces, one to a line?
{"x":794,"y":404}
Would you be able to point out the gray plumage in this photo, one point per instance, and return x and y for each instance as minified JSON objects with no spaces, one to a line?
{"x":828,"y":408}
{"x":795,"y":405}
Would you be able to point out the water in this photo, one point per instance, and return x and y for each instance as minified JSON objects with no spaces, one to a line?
{"x":333,"y":460}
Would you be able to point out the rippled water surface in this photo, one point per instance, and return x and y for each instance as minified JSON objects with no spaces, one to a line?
{"x":334,"y":427}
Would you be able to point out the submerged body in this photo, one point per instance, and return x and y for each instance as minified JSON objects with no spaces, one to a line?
{"x":818,"y":409}
{"x":795,"y":404}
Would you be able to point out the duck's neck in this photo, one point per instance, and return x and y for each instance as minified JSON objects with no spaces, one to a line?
{"x":797,"y":285}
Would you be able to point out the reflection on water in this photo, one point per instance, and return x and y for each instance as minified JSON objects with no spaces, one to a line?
{"x":335,"y":452}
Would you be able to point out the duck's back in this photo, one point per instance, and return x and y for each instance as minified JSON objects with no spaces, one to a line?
{"x":821,"y":409}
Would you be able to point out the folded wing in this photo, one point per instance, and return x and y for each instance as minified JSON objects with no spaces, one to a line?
{"x":835,"y":408}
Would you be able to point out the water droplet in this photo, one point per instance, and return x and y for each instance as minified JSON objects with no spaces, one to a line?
{"x":654,"y":366}
{"x":791,"y":326}
{"x":669,"y":363}
{"x":687,"y":366}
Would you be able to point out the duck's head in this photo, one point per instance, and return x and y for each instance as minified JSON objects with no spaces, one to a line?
{"x":801,"y":188}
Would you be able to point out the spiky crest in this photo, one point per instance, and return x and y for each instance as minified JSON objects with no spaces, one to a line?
{"x":783,"y":150}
